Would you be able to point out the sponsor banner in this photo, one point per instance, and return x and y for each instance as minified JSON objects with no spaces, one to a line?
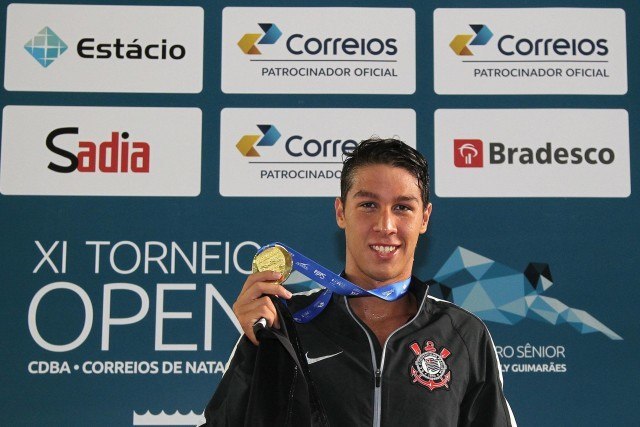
{"x":544,"y":359}
{"x":532,"y":153}
{"x":318,"y":50}
{"x":530,"y":51}
{"x":100,"y":151}
{"x":167,"y":320}
{"x":104,"y":48}
{"x":298,"y":152}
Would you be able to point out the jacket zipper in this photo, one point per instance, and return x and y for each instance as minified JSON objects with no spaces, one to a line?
{"x":377,"y":393}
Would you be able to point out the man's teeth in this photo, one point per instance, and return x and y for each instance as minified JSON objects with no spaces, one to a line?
{"x":384,"y":249}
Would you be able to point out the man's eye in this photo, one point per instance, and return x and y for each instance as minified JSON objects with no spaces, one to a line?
{"x":403,"y":208}
{"x":368,"y":205}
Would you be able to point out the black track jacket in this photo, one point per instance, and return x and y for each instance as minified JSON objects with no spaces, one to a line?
{"x":440,"y":369}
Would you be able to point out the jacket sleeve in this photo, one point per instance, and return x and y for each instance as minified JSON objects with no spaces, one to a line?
{"x":484,"y":403}
{"x":228,"y":405}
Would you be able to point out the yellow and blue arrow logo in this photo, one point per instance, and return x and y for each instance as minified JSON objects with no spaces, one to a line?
{"x":271,"y":34}
{"x":269,"y":137}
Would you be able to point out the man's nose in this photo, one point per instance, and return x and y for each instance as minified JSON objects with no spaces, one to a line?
{"x":385,"y":222}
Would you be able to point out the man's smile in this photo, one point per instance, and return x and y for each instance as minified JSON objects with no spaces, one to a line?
{"x":384,"y":249}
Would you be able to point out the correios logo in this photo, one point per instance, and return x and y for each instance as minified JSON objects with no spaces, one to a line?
{"x":269,"y":137}
{"x":467,"y":153}
{"x":297,"y":152}
{"x":300,"y":44}
{"x":516,"y":45}
{"x":46,"y":47}
{"x":461,"y":41}
{"x":294,"y":145}
{"x":319,"y":50}
{"x":115,"y":155}
{"x":542,"y":51}
{"x":271,"y":34}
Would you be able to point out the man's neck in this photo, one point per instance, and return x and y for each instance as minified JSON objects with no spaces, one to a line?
{"x":384,"y":317}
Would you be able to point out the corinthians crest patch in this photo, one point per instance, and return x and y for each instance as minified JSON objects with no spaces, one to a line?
{"x":429,"y":368}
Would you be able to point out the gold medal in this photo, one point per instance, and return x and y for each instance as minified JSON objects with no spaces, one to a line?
{"x":274,"y":258}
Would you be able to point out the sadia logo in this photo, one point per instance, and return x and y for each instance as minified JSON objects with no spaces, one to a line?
{"x":45,"y":47}
{"x":269,"y":137}
{"x":111,"y":156}
{"x":467,"y":153}
{"x":271,"y":34}
{"x":100,"y":151}
{"x":481,"y":38}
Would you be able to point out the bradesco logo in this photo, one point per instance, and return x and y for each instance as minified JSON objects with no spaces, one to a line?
{"x":468,"y":153}
{"x":295,"y":146}
{"x":115,"y":155}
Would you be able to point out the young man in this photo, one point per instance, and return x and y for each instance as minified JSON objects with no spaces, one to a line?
{"x":412,"y":361}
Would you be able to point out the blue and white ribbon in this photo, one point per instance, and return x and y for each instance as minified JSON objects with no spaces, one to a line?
{"x":334,"y":283}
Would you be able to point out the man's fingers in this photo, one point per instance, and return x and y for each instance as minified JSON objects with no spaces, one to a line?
{"x":264,"y":288}
{"x":253,"y":302}
{"x":257,"y":289}
{"x":265,"y":276}
{"x":261,"y":307}
{"x":250,"y":313}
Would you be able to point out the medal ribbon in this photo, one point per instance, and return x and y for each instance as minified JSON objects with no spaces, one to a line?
{"x":334,"y":283}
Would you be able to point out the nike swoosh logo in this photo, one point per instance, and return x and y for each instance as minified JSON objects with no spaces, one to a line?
{"x":311,"y":360}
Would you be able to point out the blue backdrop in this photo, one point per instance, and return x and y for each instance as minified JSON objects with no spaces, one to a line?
{"x":590,"y":245}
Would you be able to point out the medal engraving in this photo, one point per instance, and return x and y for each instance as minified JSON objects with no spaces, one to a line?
{"x":274,"y":258}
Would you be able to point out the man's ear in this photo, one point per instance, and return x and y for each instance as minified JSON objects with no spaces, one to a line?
{"x":425,"y":218}
{"x":339,"y":212}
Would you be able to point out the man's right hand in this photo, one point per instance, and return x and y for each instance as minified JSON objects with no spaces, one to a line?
{"x":253,"y":302}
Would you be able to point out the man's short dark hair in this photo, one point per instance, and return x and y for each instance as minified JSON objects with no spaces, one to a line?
{"x":392,"y":152}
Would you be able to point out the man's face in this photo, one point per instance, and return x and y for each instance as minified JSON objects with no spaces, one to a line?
{"x":382,"y":216}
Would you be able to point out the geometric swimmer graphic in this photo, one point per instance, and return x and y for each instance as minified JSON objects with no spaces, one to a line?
{"x":497,"y":293}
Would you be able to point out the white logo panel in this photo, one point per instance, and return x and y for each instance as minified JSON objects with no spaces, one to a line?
{"x":74,"y":48}
{"x":298,"y":152}
{"x":318,"y":50}
{"x":101,"y":151}
{"x":530,"y":51}
{"x":532,"y":153}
